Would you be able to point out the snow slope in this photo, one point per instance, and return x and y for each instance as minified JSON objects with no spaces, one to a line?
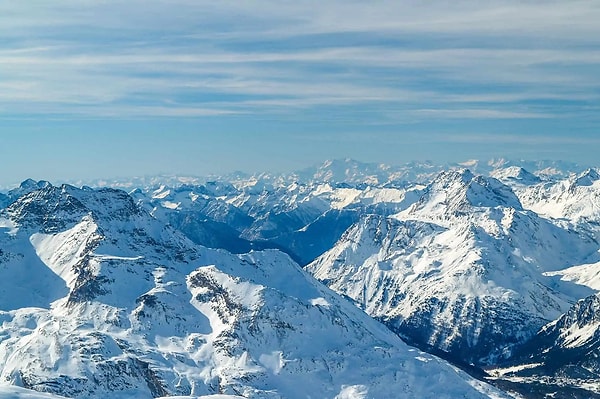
{"x":563,"y":357}
{"x":124,"y":306}
{"x":575,"y":199}
{"x":15,"y":392}
{"x":461,"y":270}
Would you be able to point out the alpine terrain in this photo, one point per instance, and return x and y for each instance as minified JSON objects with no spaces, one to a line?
{"x":101,"y":298}
{"x":344,"y":280}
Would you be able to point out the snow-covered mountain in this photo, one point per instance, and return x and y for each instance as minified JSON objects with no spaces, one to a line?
{"x":461,"y":270}
{"x":482,"y":266}
{"x":100,"y":299}
{"x":563,"y":357}
{"x":515,"y":176}
{"x":347,"y":171}
{"x":574,"y":200}
{"x":303,"y":220}
{"x":354,"y":172}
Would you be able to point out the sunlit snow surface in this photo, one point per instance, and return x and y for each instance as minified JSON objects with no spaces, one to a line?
{"x":14,"y":392}
{"x":123,"y":306}
{"x":465,"y":268}
{"x":100,"y":300}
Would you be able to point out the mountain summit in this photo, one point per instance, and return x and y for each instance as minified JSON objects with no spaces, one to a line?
{"x":99,"y":299}
{"x":461,"y":270}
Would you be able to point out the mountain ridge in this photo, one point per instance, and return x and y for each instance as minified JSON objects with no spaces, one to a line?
{"x":473,"y":262}
{"x":138,"y":310}
{"x":413,"y":171}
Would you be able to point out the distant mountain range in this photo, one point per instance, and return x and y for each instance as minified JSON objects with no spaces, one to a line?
{"x":347,"y":170}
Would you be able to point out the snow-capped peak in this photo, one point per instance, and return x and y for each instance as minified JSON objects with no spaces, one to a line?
{"x":587,"y":178}
{"x":124,"y":306}
{"x":515,"y":174}
{"x":454,"y":193}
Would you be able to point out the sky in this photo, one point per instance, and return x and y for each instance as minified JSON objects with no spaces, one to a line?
{"x":108,"y":88}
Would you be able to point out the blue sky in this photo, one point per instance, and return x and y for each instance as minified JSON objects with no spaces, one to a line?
{"x":111,"y":88}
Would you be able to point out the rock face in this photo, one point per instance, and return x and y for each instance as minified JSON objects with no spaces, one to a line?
{"x":100,"y":299}
{"x":561,"y":359}
{"x":570,"y":345}
{"x":462,"y":270}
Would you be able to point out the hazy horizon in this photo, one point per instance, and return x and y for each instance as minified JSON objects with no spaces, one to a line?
{"x":94,"y":89}
{"x":116,"y":180}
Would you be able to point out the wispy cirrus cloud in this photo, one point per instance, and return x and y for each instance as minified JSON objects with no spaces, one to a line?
{"x":505,"y":60}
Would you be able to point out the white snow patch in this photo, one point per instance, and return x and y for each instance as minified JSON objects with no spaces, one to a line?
{"x":588,"y":275}
{"x":353,"y":392}
{"x":61,"y":251}
{"x":319,"y":302}
{"x":171,"y":205}
{"x":161,"y":193}
{"x":343,"y":197}
{"x":9,"y":225}
{"x":13,"y":392}
{"x":273,"y":361}
{"x":515,"y":369}
{"x":322,"y":189}
{"x":577,"y":336}
{"x":469,"y":163}
{"x":102,"y":257}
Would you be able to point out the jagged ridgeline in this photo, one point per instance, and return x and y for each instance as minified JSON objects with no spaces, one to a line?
{"x":190,"y":286}
{"x":99,"y":298}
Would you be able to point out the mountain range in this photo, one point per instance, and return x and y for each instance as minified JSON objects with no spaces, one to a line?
{"x":346,"y":280}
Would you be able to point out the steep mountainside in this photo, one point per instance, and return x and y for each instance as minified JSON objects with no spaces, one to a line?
{"x":99,"y":299}
{"x":482,"y":270}
{"x":461,"y":270}
{"x":563,"y":355}
{"x":574,"y":200}
{"x":304,"y":220}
